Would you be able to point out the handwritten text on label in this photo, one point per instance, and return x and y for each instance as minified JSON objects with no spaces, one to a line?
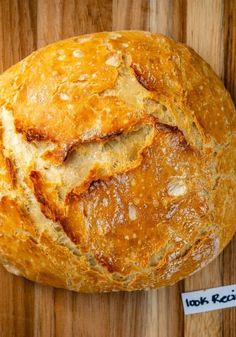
{"x":209,"y":299}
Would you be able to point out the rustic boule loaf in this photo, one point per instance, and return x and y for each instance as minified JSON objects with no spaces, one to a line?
{"x":117,"y":163}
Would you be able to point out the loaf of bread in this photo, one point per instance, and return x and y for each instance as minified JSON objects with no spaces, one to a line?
{"x":117,"y":163}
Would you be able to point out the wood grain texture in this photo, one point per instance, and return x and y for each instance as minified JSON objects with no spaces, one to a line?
{"x":131,"y":14}
{"x":229,"y":254}
{"x":32,"y":310}
{"x":230,"y":46}
{"x":206,"y":42}
{"x":169,"y":18}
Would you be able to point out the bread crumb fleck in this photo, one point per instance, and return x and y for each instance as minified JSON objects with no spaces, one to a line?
{"x":171,"y":211}
{"x":77,"y":53}
{"x":61,"y":57}
{"x":107,"y":109}
{"x":178,"y":239}
{"x":132,"y":212}
{"x":173,"y":255}
{"x":176,"y":188}
{"x":63,"y":96}
{"x":84,"y":39}
{"x":115,"y":36}
{"x":125,"y":45}
{"x":155,"y":203}
{"x":105,"y":202}
{"x":113,"y":60}
{"x":83,"y":77}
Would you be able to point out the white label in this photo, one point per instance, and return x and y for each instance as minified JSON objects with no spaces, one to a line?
{"x":209,"y":299}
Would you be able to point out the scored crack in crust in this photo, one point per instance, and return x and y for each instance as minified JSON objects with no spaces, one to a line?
{"x":117,"y":157}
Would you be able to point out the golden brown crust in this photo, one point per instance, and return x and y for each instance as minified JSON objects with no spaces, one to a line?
{"x":117,"y":156}
{"x":125,"y":215}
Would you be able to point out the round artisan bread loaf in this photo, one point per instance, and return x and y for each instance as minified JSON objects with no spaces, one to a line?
{"x":117,"y":163}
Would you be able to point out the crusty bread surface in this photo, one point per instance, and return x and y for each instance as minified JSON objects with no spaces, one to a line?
{"x":117,"y":163}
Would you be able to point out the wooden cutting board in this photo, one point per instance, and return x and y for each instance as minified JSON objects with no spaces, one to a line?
{"x":32,"y":310}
